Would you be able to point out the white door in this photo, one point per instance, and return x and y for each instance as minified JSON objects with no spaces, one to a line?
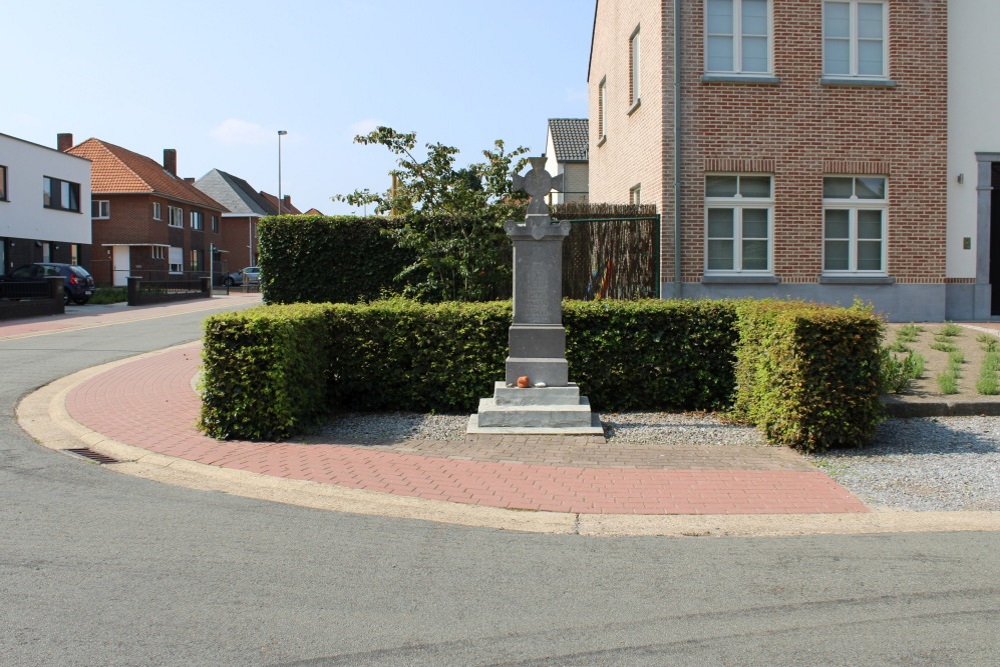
{"x":121,"y":264}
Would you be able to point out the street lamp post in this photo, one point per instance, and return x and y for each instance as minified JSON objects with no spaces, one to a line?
{"x":281,"y":133}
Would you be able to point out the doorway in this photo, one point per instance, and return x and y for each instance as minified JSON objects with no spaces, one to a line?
{"x":121,"y":265}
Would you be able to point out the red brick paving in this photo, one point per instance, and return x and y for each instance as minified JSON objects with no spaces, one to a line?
{"x":150,"y":404}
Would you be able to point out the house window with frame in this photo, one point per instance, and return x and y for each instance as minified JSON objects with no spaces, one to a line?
{"x":197,"y":220}
{"x":854,"y":225}
{"x":602,"y":96}
{"x":157,"y":211}
{"x":176,"y":216}
{"x":3,"y":183}
{"x":100,"y":209}
{"x":854,"y":39}
{"x":196,"y":260}
{"x":60,"y":194}
{"x":633,"y":69}
{"x":635,"y":194}
{"x":215,"y":224}
{"x":157,"y":252}
{"x":738,"y":221}
{"x":176,"y":260}
{"x":737,"y":36}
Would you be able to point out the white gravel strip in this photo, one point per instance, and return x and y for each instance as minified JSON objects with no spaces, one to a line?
{"x":925,"y":464}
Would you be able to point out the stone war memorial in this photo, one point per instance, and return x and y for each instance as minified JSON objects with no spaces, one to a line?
{"x":536,"y":396}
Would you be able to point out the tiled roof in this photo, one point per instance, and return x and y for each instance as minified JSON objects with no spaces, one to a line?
{"x":286,"y":208}
{"x":117,"y":170}
{"x":234,"y":193}
{"x":570,"y":137}
{"x":314,"y":211}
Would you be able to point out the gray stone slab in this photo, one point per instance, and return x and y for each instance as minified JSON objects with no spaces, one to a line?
{"x":553,"y":372}
{"x":594,"y":428}
{"x":547,"y":416}
{"x":537,"y":340}
{"x":568,"y":395}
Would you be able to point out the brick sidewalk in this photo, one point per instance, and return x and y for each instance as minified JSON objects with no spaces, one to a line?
{"x":151,"y":404}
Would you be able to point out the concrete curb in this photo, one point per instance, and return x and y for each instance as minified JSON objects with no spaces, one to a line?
{"x":43,"y":415}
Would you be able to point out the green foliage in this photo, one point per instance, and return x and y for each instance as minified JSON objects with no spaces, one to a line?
{"x":327,"y":259}
{"x":103,"y":295}
{"x":943,"y":347}
{"x":950,"y":330}
{"x":987,"y":384}
{"x":947,"y":382}
{"x":908,"y":333}
{"x":264,"y":371}
{"x":809,"y":376}
{"x":450,"y":220}
{"x":898,"y":373}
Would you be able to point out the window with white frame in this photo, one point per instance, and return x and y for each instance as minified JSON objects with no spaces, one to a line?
{"x":738,"y":223}
{"x":633,"y":68}
{"x":100,"y":209}
{"x":157,"y":211}
{"x":197,"y":220}
{"x":176,"y":260}
{"x":854,"y":225}
{"x":635,"y":194}
{"x":602,"y":95}
{"x":738,"y":36}
{"x":158,"y":253}
{"x":176,"y":216}
{"x":854,"y":39}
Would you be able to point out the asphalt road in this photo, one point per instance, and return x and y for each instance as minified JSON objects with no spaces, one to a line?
{"x":102,"y":568}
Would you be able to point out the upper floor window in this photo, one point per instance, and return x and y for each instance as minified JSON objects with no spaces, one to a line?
{"x":738,"y":220}
{"x":3,"y":183}
{"x":157,"y":211}
{"x":57,"y":193}
{"x":737,"y":36}
{"x":176,"y":216}
{"x":215,"y":224}
{"x":635,"y":194}
{"x":197,"y":220}
{"x":602,"y":96}
{"x":100,"y":209}
{"x":854,"y":224}
{"x":854,"y":39}
{"x":633,"y":67}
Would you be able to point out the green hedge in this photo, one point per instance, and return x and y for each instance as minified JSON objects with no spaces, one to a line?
{"x":265,"y":371}
{"x":806,"y":375}
{"x":320,"y":259}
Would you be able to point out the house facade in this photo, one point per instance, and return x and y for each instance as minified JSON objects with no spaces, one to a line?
{"x":823,"y":150}
{"x":566,"y":146}
{"x":44,"y":205}
{"x":246,"y":207}
{"x":147,"y":221}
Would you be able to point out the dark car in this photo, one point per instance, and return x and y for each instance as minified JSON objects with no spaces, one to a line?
{"x":79,"y":284}
{"x":251,"y":274}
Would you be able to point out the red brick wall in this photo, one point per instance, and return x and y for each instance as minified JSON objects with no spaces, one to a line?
{"x":807,"y":130}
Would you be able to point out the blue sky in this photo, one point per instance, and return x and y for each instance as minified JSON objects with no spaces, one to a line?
{"x":216,"y":80}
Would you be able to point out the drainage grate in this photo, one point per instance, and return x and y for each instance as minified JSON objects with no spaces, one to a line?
{"x":91,"y":455}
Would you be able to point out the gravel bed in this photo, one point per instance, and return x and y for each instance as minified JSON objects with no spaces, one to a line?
{"x":926,"y":464}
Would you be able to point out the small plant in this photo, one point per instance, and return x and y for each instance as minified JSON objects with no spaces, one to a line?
{"x":943,"y":347}
{"x":956,"y":358}
{"x":899,"y":373}
{"x":104,"y":295}
{"x":950,"y":330}
{"x":947,"y":382}
{"x":908,"y":333}
{"x":988,"y":341}
{"x":987,"y":384}
{"x":898,"y":347}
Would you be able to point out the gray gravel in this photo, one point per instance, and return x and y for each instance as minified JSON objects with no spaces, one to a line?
{"x":926,"y":464}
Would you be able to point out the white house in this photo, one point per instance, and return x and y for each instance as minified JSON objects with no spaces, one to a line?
{"x":45,"y":207}
{"x":566,"y":153}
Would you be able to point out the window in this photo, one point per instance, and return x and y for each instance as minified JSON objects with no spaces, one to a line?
{"x":635,"y":194}
{"x":157,"y":211}
{"x":737,"y":36}
{"x":738,"y":213}
{"x":602,"y":96}
{"x":215,"y":224}
{"x":176,"y":260}
{"x":157,"y":252}
{"x":854,"y":42}
{"x":100,"y":209}
{"x":196,"y":260}
{"x":3,"y":184}
{"x":60,"y":194}
{"x":176,"y":216}
{"x":854,"y":230}
{"x":74,"y":253}
{"x":197,"y":220}
{"x":633,"y":68}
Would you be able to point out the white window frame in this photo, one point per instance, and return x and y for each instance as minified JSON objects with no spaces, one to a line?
{"x":103,"y":207}
{"x":736,"y":68}
{"x":854,"y":40}
{"x":197,"y":220}
{"x":175,"y":216}
{"x":853,"y":205}
{"x":157,"y":211}
{"x":635,"y":194}
{"x":176,"y":260}
{"x":602,"y":116}
{"x":738,"y":204}
{"x":158,"y":253}
{"x":634,"y":66}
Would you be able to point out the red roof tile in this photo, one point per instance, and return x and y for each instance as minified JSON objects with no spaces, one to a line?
{"x":286,"y":208}
{"x":117,"y":170}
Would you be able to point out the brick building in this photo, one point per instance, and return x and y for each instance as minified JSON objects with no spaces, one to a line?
{"x":147,"y":221}
{"x":823,"y":150}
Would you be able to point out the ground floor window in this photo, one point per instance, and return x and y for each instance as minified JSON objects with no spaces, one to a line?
{"x":176,"y":260}
{"x":738,"y":223}
{"x":854,"y":225}
{"x":196,"y":260}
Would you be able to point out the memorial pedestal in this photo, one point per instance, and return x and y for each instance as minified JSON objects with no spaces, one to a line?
{"x":536,"y":411}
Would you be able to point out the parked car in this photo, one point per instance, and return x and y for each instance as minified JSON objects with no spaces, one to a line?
{"x":252,"y":274}
{"x":79,"y":285}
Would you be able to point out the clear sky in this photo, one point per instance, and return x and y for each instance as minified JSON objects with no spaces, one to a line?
{"x":216,"y":80}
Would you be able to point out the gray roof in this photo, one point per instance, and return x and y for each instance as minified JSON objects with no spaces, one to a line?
{"x":234,"y":193}
{"x":571,"y":138}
